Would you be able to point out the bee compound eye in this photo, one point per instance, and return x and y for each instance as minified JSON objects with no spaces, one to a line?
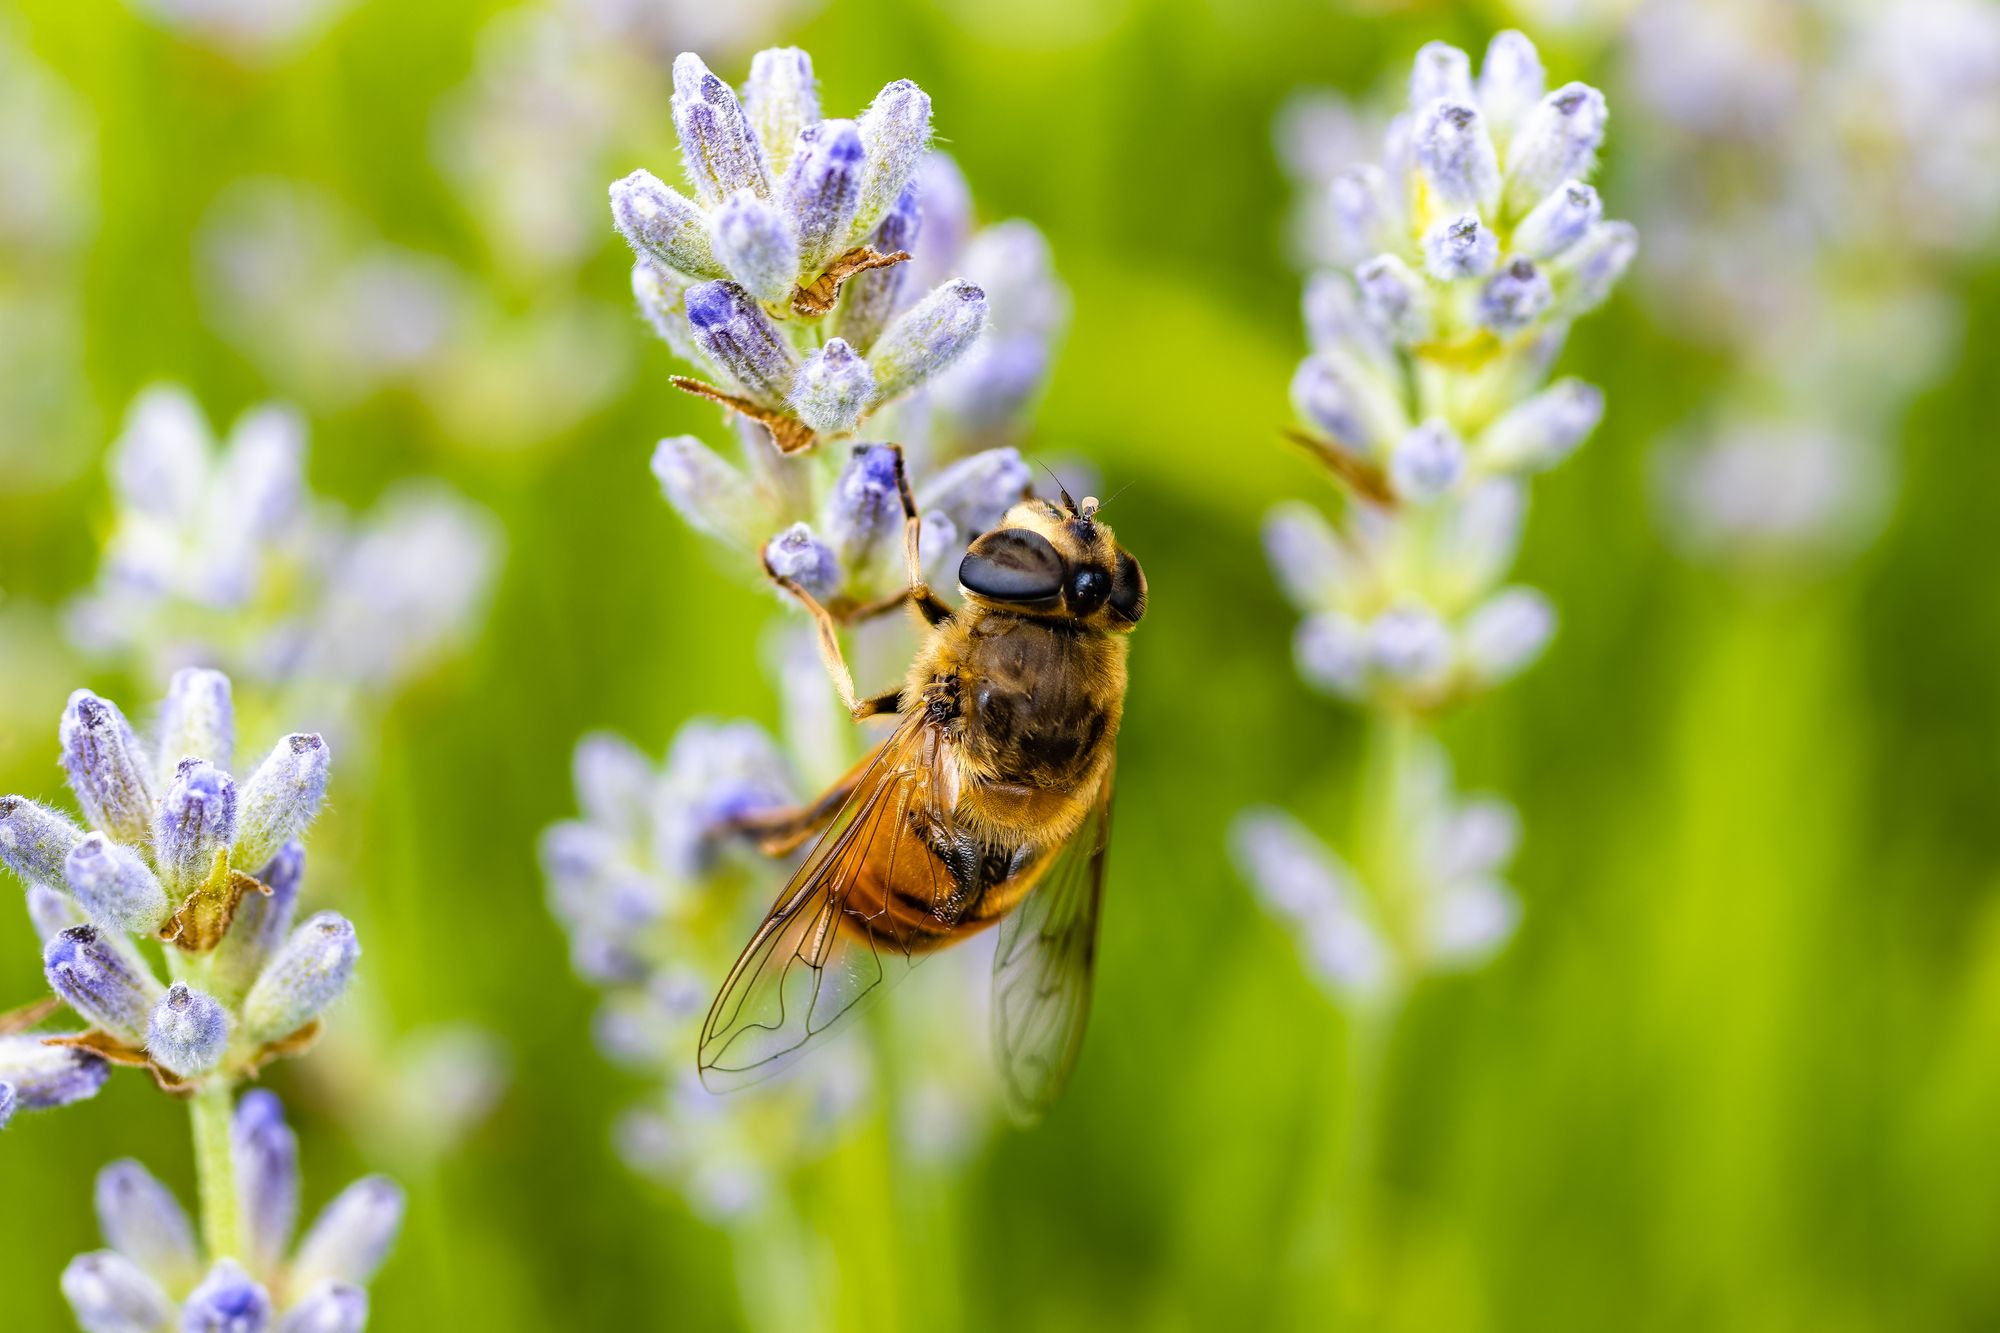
{"x":1128,"y":591}
{"x":1012,"y":565}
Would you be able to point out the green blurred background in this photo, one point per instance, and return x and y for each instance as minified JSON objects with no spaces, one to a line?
{"x":1740,"y":1069}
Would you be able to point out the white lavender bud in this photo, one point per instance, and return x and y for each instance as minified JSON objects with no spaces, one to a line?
{"x":281,"y":798}
{"x":1335,"y":320}
{"x":740,"y":340}
{"x":265,"y":1154}
{"x":926,"y":338}
{"x":1305,"y":554}
{"x":35,"y":841}
{"x":351,"y":1238}
{"x":822,"y":190}
{"x":1543,"y":430}
{"x":754,"y":240}
{"x":188,"y":1032}
{"x":197,"y":822}
{"x":1328,"y":397}
{"x":660,"y":293}
{"x":102,"y":982}
{"x":663,"y":225}
{"x":44,"y":1076}
{"x":1427,"y":462}
{"x":1592,"y":267}
{"x":114,"y":885}
{"x":1559,"y":221}
{"x":108,"y":1293}
{"x":1514,"y":298}
{"x":107,"y":767}
{"x":145,"y":1223}
{"x":895,"y":131}
{"x":306,"y":976}
{"x":1508,"y":633}
{"x":227,"y":1301}
{"x":330,"y":1307}
{"x":798,"y":554}
{"x":1460,"y":247}
{"x":1409,"y":645}
{"x":1510,"y":82}
{"x":1394,"y":299}
{"x":781,"y":97}
{"x":1360,"y":212}
{"x":1456,"y":157}
{"x":717,"y":142}
{"x":1556,"y":142}
{"x":1331,"y":652}
{"x":706,"y":490}
{"x":833,"y":388}
{"x":197,"y":722}
{"x":1442,"y":73}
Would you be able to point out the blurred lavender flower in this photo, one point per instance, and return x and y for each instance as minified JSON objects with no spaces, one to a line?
{"x":254,"y":32}
{"x":154,"y":1276}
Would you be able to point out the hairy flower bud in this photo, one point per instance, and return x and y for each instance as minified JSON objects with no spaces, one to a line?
{"x":227,"y":1301}
{"x":144,"y":1222}
{"x":108,"y":1293}
{"x":756,"y":243}
{"x":661,"y":295}
{"x":1514,"y":298}
{"x":1427,"y":462}
{"x":351,"y":1237}
{"x":833,"y":388}
{"x":781,"y":97}
{"x":1592,"y":267}
{"x":1456,"y":156}
{"x":1543,"y":430}
{"x":197,"y":822}
{"x":870,"y":298}
{"x":198,"y":722}
{"x":1460,"y":248}
{"x":188,"y":1032}
{"x":1361,"y":213}
{"x":309,"y":973}
{"x":1331,"y":652}
{"x":1510,"y":82}
{"x":52,"y":912}
{"x":107,"y":767}
{"x":823,"y":189}
{"x":1409,"y":645}
{"x":44,"y":1076}
{"x":1559,"y":221}
{"x":717,"y":142}
{"x":739,"y":339}
{"x":927,"y":337}
{"x":1508,"y":633}
{"x":113,"y":884}
{"x":281,"y":798}
{"x":265,"y":1153}
{"x":895,"y":131}
{"x":35,"y":841}
{"x":865,"y":509}
{"x":101,"y":982}
{"x":663,"y":225}
{"x":706,"y":490}
{"x":330,"y":1307}
{"x":1556,"y":142}
{"x":974,"y":492}
{"x":1394,"y":299}
{"x":798,"y":554}
{"x":6,"y":1104}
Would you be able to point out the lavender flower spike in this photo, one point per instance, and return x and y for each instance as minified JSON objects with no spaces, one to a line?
{"x":107,"y":767}
{"x":717,"y":142}
{"x":198,"y":722}
{"x":307,"y":975}
{"x":114,"y":885}
{"x":227,"y":1301}
{"x":144,"y":1222}
{"x":823,"y":189}
{"x":101,"y":982}
{"x":197,"y":824}
{"x":736,"y":335}
{"x":281,"y":798}
{"x":781,"y":97}
{"x":927,"y":337}
{"x":757,"y":244}
{"x":266,"y":1155}
{"x":351,"y":1237}
{"x":108,"y":1293}
{"x":188,"y":1032}
{"x":664,"y":225}
{"x":833,"y":388}
{"x":44,"y":1076}
{"x":895,"y":131}
{"x":330,"y":1307}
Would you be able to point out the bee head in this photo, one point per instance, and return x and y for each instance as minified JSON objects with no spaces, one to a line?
{"x":1058,"y":561}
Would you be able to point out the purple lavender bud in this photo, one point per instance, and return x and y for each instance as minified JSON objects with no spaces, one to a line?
{"x":144,"y":1222}
{"x":1394,"y":299}
{"x":781,"y":97}
{"x":160,"y":464}
{"x":107,"y":767}
{"x":52,"y":912}
{"x":1306,"y":555}
{"x":1510,"y":81}
{"x":1331,"y":653}
{"x":1545,"y":429}
{"x":707,"y":491}
{"x":822,"y":189}
{"x":1456,"y":157}
{"x":662,"y":224}
{"x":717,"y":142}
{"x":351,"y":1238}
{"x":1442,"y":73}
{"x":1328,"y":396}
{"x":261,"y":923}
{"x":6,"y":1104}
{"x":330,"y":1307}
{"x":660,"y":292}
{"x":113,"y":884}
{"x":197,"y":722}
{"x":45,"y":1076}
{"x":1427,"y":462}
{"x":865,"y":509}
{"x":1592,"y":267}
{"x":895,"y":131}
{"x":1460,"y":248}
{"x":227,"y":1301}
{"x":281,"y":798}
{"x":1515,"y":297}
{"x":1360,"y":212}
{"x":307,"y":974}
{"x":1556,"y":142}
{"x":101,"y":982}
{"x":1559,"y":221}
{"x":108,"y":1293}
{"x":266,"y":1156}
{"x":188,"y":1032}
{"x":260,"y":476}
{"x":927,"y":337}
{"x":869,"y":299}
{"x":799,"y":555}
{"x":1508,"y":633}
{"x":740,"y":340}
{"x":1335,"y":320}
{"x":991,"y":386}
{"x":757,"y":245}
{"x":197,"y":822}
{"x":975,"y":492}
{"x":1409,"y":645}
{"x":833,"y":388}
{"x":35,"y":841}
{"x":614,"y":781}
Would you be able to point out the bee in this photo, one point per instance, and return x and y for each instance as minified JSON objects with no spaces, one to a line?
{"x":989,"y":804}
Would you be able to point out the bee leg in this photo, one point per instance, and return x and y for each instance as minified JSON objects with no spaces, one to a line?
{"x":936,"y":611}
{"x":782,"y":832}
{"x":828,"y":634}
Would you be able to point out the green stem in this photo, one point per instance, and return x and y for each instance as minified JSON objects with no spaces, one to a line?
{"x":212,"y":1109}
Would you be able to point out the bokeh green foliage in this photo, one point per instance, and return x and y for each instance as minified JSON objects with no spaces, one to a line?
{"x":1739,"y":1070}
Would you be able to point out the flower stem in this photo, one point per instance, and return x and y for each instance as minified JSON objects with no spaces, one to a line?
{"x":212,"y":1110}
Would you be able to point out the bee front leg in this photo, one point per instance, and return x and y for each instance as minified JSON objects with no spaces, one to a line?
{"x":936,"y":611}
{"x":828,"y":636}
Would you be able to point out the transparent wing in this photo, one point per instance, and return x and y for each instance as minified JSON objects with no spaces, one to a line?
{"x":1042,"y":968}
{"x":874,"y":895}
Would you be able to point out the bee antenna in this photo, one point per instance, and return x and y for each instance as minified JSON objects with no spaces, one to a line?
{"x":1115,"y":494}
{"x":1060,"y":488}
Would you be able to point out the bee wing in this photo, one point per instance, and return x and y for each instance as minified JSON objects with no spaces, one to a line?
{"x":872,"y":896}
{"x":1042,"y":967}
